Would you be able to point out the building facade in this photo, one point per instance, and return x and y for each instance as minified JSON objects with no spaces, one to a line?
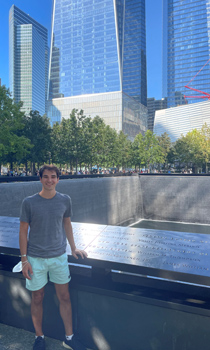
{"x":152,"y":106}
{"x":28,"y":61}
{"x":99,"y":48}
{"x":186,"y":49}
{"x":180,"y":120}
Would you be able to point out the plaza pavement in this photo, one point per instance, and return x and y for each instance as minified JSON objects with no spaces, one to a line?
{"x":12,"y":338}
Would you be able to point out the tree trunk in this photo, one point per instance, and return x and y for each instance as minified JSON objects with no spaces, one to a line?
{"x":71,"y":168}
{"x":33,"y":168}
{"x":76,"y":165}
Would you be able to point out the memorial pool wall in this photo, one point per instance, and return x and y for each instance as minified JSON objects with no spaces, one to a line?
{"x":123,"y":200}
{"x":110,"y":201}
{"x":180,"y":198}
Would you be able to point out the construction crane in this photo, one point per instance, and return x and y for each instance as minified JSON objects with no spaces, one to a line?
{"x":205,"y":94}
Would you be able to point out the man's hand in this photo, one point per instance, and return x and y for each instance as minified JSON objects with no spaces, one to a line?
{"x":69,"y":234}
{"x":27,"y":270}
{"x":77,"y":252}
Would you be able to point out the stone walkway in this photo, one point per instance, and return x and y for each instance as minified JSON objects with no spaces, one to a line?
{"x":12,"y":338}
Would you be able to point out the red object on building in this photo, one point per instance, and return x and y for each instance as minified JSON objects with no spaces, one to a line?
{"x":205,"y":94}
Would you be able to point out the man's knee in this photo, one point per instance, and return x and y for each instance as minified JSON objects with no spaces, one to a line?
{"x":38,"y":296}
{"x":63,"y":295}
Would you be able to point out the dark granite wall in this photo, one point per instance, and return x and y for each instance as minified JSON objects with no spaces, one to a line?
{"x":110,"y":201}
{"x":123,"y":200}
{"x":176,"y":198}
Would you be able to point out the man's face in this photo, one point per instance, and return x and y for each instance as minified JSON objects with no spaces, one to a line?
{"x":49,"y":180}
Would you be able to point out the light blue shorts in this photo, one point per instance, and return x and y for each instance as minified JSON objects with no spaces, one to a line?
{"x":54,"y":269}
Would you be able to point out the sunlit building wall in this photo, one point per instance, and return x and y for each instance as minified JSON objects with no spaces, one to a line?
{"x":186,"y":49}
{"x":178,"y":121}
{"x":28,"y":61}
{"x":117,"y":109}
{"x":99,"y":47}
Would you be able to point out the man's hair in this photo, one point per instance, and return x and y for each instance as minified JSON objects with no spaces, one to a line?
{"x":49,"y":167}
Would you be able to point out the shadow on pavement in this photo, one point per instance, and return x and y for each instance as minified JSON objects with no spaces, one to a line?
{"x":12,"y":338}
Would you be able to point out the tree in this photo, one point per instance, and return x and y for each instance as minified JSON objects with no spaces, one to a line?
{"x":98,"y":141}
{"x":182,"y":150}
{"x":110,"y":147}
{"x":58,"y":148}
{"x":38,"y":130}
{"x":138,"y":150}
{"x":87,"y":141}
{"x":165,"y":143}
{"x":123,"y":150}
{"x":74,"y":141}
{"x":171,"y":156}
{"x":152,"y":152}
{"x":205,"y":144}
{"x":14,"y":145}
{"x":71,"y":137}
{"x":188,"y":148}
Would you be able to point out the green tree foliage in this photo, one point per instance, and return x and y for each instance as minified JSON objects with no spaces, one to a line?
{"x":85,"y":141}
{"x":165,"y":143}
{"x":58,"y":149}
{"x":188,"y":148}
{"x":194,"y":147}
{"x":38,"y":131}
{"x":72,"y":138}
{"x":138,"y":151}
{"x":124,"y":150}
{"x":75,"y":140}
{"x":13,"y":144}
{"x":153,"y":152}
{"x":98,"y":141}
{"x":110,"y":147}
{"x":181,"y":150}
{"x":205,"y":143}
{"x":171,"y":156}
{"x":147,"y":150}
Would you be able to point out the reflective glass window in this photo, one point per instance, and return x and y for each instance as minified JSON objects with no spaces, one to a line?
{"x":186,"y":38}
{"x":98,"y":46}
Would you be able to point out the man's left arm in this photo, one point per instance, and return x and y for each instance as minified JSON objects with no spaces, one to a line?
{"x":70,"y":237}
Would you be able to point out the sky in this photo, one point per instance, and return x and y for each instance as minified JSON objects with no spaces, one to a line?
{"x":40,"y":10}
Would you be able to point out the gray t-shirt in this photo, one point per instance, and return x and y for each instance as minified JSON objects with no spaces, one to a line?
{"x":47,"y":238}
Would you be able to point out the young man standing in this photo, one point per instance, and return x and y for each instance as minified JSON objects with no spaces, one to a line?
{"x":43,"y":252}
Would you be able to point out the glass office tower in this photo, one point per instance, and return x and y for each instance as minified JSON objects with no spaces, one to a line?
{"x":98,"y":49}
{"x":98,"y":46}
{"x":28,"y":61}
{"x":186,"y":49}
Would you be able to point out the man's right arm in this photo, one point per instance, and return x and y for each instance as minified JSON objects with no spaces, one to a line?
{"x":23,"y":242}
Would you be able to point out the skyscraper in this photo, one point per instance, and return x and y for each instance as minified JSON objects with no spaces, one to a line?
{"x":98,"y":59}
{"x":28,"y":61}
{"x":154,"y":105}
{"x":186,"y":49}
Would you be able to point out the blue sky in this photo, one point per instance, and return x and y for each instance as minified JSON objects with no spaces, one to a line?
{"x":40,"y":10}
